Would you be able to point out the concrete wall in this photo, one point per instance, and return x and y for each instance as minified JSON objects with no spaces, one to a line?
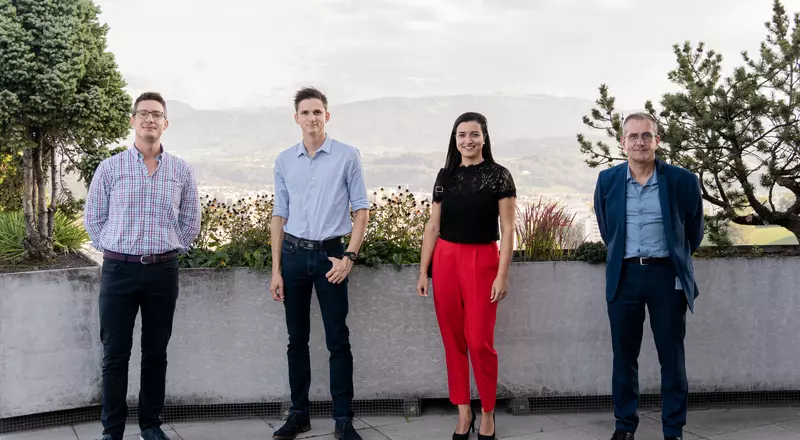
{"x":553,"y":338}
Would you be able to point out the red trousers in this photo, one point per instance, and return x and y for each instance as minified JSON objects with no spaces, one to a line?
{"x":463,"y":275}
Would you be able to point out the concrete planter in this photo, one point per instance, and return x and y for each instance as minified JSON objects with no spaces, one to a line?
{"x":229,"y":339}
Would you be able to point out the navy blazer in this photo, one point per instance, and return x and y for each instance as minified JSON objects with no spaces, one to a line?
{"x":681,"y":209}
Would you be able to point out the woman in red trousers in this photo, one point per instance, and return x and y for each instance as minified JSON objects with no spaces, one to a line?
{"x":469,"y":275}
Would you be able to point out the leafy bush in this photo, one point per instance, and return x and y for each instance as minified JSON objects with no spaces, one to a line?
{"x":593,"y":252}
{"x":543,"y":231}
{"x":395,"y":229}
{"x":239,"y":235}
{"x":12,"y":232}
{"x":68,"y":234}
{"x":236,"y":235}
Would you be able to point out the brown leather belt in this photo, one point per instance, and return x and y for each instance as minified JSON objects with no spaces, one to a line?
{"x":641,"y":261}
{"x":310,"y":244}
{"x":143,"y":259}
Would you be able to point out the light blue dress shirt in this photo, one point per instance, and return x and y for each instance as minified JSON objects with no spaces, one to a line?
{"x":315,"y":195}
{"x":644,"y":226}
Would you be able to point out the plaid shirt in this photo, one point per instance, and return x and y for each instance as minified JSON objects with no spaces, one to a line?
{"x":129,"y":212}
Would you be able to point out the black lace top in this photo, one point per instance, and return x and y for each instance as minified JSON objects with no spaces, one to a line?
{"x":470,"y":202}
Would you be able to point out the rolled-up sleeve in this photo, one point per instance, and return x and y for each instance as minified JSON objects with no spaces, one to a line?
{"x":281,"y":206}
{"x":189,"y":212}
{"x":356,"y":186}
{"x":95,"y":210}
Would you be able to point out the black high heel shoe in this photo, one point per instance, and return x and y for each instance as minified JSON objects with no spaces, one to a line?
{"x":489,"y":437}
{"x":465,"y":436}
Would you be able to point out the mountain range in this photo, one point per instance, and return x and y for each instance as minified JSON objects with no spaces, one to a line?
{"x":403,"y":141}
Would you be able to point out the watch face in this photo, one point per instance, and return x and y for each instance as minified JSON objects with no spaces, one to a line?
{"x":351,"y":255}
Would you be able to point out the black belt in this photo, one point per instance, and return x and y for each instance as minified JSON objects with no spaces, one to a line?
{"x":648,"y":261}
{"x":143,"y":259}
{"x":311,"y":244}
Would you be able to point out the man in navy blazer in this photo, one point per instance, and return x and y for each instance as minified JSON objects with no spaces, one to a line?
{"x":650,"y":216}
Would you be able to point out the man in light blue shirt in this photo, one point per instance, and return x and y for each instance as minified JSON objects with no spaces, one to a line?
{"x":644,"y":224}
{"x":650,"y":215}
{"x":317,"y":183}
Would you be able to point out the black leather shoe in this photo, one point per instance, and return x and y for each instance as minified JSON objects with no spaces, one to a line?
{"x":345,"y":431}
{"x":622,"y":435}
{"x":295,"y":425}
{"x":154,"y":433}
{"x":672,"y":438}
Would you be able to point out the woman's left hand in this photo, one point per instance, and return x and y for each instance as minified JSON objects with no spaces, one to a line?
{"x":499,"y":288}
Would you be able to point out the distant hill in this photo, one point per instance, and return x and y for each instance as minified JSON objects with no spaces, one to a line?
{"x":403,"y":141}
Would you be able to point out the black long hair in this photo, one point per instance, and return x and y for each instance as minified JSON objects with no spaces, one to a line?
{"x":453,"y":160}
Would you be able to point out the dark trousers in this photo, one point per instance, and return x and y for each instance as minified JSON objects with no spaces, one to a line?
{"x":652,"y":286}
{"x":303,"y":269}
{"x":124,"y":289}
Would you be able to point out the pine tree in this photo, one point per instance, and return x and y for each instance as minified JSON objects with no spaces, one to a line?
{"x":738,"y":133}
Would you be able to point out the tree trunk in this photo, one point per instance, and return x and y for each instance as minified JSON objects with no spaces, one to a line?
{"x":41,"y":191}
{"x":51,"y":211}
{"x":28,"y":193}
{"x":34,"y":195}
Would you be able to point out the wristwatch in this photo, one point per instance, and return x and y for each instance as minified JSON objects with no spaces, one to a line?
{"x":351,"y":255}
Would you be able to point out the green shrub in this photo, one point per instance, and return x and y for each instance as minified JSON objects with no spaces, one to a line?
{"x":12,"y":232}
{"x":233,"y":236}
{"x":395,"y":229}
{"x":590,"y":252}
{"x":69,"y":234}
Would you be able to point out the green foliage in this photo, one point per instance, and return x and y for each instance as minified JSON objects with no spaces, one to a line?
{"x":71,"y":207}
{"x":239,"y":235}
{"x":12,"y":231}
{"x":68,"y":235}
{"x":740,"y":134}
{"x":395,"y":229}
{"x":10,"y":181}
{"x":233,"y":236}
{"x":543,"y":231}
{"x":590,"y":252}
{"x":60,"y":92}
{"x":87,"y":164}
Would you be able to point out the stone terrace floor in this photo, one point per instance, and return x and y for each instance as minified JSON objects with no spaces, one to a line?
{"x":772,"y":423}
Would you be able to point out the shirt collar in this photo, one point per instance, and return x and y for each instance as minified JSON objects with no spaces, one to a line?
{"x":300,"y":148}
{"x":140,"y":156}
{"x":651,"y":181}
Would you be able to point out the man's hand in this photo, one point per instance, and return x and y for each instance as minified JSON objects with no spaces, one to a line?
{"x":276,"y":287}
{"x":341,"y":268}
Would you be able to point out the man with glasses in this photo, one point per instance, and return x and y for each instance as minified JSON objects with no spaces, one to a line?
{"x":650,"y":216}
{"x":142,"y":210}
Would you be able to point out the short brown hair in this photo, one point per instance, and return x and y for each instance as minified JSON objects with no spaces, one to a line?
{"x":641,"y":116}
{"x":309,"y":93}
{"x":150,"y":96}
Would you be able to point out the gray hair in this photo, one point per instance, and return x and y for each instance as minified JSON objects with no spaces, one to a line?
{"x":640,"y":116}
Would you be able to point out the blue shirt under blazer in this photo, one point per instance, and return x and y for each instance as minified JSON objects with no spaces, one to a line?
{"x":682,"y":213}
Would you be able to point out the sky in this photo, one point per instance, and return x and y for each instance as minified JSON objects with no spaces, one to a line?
{"x":256,"y":53}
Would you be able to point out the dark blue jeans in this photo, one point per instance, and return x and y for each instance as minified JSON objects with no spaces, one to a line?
{"x":303,"y":269}
{"x":652,"y":287}
{"x":124,"y":289}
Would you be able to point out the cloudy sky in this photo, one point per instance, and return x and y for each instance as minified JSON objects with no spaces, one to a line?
{"x":255,"y":53}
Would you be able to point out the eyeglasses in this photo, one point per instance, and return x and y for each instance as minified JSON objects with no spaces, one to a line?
{"x":646,"y":137}
{"x":143,"y":114}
